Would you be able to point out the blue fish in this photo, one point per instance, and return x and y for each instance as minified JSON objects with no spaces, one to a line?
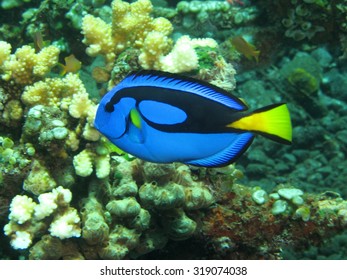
{"x":164,"y":118}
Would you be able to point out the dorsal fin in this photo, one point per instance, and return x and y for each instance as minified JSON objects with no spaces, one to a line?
{"x":179,"y":82}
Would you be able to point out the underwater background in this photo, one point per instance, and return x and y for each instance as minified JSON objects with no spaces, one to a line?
{"x":67,"y":193}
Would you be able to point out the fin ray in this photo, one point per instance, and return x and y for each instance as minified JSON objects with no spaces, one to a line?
{"x":178,"y":82}
{"x":229,"y":155}
{"x":271,"y":121}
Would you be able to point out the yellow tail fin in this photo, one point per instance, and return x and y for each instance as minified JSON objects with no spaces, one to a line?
{"x":272,"y":121}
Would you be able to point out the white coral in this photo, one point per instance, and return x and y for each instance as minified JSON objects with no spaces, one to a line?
{"x":66,"y":225}
{"x":83,"y":163}
{"x":21,"y":240}
{"x":102,"y":166}
{"x":21,"y":209}
{"x":27,"y":217}
{"x":46,"y":207}
{"x":182,"y":58}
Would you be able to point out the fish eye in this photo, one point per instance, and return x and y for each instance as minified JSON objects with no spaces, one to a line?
{"x":109,"y":107}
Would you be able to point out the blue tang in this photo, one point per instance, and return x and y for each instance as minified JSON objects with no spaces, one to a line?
{"x":164,"y":118}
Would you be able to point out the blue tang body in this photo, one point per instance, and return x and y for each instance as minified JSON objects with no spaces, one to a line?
{"x":164,"y":118}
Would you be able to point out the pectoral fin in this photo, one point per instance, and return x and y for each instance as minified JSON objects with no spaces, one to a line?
{"x":134,"y":130}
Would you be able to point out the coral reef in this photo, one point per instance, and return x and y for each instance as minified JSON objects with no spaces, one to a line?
{"x":24,"y":66}
{"x":208,"y":16}
{"x":132,"y":214}
{"x":27,"y":218}
{"x":242,"y":227}
{"x":131,"y":25}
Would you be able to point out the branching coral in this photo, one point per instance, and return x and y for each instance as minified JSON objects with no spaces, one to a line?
{"x":25,"y":65}
{"x":58,"y":113}
{"x":98,"y":37}
{"x":5,"y":51}
{"x":28,"y":69}
{"x":15,"y":159}
{"x":183,"y":56}
{"x":84,"y":161}
{"x":131,"y":24}
{"x":27,"y":218}
{"x":38,"y":180}
{"x":64,"y":93}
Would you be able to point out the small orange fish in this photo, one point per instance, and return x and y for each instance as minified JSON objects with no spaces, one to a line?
{"x":100,"y":75}
{"x":247,"y":49}
{"x":72,"y":64}
{"x":39,"y":43}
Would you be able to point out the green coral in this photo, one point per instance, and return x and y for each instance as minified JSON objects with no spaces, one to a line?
{"x":9,"y":4}
{"x":15,"y":160}
{"x":206,"y":59}
{"x":306,"y":19}
{"x":303,"y":81}
{"x":162,"y":197}
{"x":146,"y":205}
{"x":304,"y":73}
{"x":39,"y":179}
{"x":95,"y":228}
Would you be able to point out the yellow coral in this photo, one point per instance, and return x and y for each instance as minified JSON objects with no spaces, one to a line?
{"x":37,"y":93}
{"x":90,"y":133}
{"x":13,"y":110}
{"x":72,"y":141}
{"x":155,"y":44}
{"x":54,"y":91}
{"x":20,"y":65}
{"x":97,"y":35}
{"x":46,"y":59}
{"x":102,"y":166}
{"x":5,"y":51}
{"x":73,"y":85}
{"x":131,"y":24}
{"x":91,"y":114}
{"x":80,"y":105}
{"x":162,"y":25}
{"x":25,"y":64}
{"x":83,"y":163}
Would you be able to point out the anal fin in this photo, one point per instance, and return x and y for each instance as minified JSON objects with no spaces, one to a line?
{"x":238,"y":146}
